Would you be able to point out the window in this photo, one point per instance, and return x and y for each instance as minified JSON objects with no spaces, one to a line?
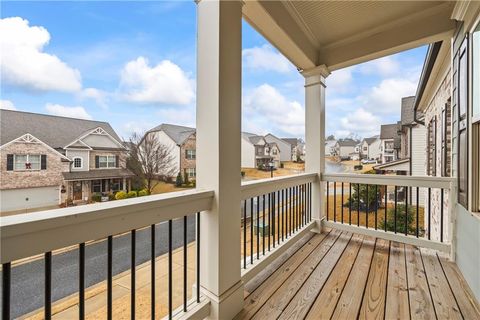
{"x":97,"y":185}
{"x":27,"y":162}
{"x":77,"y":162}
{"x":274,"y":151}
{"x":476,"y":119}
{"x":476,"y":74}
{"x":116,"y":184}
{"x":190,"y":154}
{"x":365,"y":148}
{"x":191,"y":172}
{"x":107,"y":161}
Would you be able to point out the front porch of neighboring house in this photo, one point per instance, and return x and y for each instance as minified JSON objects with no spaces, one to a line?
{"x":310,"y":245}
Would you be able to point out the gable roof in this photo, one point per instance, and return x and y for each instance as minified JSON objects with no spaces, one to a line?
{"x":177,"y":133}
{"x":388,"y":131}
{"x":292,"y":141}
{"x":255,"y":139}
{"x":347,"y":143}
{"x":55,"y":131}
{"x":371,"y":140}
{"x":407,"y":116}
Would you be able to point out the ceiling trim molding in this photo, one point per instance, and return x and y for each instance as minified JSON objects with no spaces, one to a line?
{"x":302,"y":24}
{"x":460,"y":10}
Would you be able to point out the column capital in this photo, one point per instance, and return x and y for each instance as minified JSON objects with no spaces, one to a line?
{"x":321,"y":70}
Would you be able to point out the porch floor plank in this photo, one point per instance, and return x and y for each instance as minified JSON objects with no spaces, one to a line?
{"x":337,"y":275}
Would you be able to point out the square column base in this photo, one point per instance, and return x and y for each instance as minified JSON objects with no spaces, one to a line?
{"x":228,"y":305}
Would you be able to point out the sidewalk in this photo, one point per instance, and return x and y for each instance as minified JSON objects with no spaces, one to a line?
{"x":96,"y":296}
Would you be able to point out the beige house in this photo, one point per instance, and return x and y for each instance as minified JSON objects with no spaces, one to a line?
{"x":46,"y":160}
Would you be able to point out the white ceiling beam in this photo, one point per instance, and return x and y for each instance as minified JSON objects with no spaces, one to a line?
{"x":408,"y":33}
{"x":272,"y":20}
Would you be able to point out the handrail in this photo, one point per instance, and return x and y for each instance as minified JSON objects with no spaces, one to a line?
{"x":404,"y":181}
{"x":35,"y":233}
{"x":254,"y":188}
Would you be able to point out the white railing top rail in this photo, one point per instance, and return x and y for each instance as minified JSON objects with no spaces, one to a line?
{"x":255,"y":188}
{"x":404,"y":181}
{"x":35,"y":233}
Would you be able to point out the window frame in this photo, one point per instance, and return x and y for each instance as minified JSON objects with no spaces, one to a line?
{"x":27,"y":160}
{"x":81,"y":162}
{"x":190,"y":154}
{"x":107,"y":161}
{"x":191,"y":172}
{"x":463,"y":123}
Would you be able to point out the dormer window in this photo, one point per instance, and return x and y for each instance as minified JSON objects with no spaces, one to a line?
{"x":77,"y":162}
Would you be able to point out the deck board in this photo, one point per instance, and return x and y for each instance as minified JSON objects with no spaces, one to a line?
{"x":325,"y":304}
{"x":337,"y":275}
{"x":373,"y":305}
{"x":397,"y":304}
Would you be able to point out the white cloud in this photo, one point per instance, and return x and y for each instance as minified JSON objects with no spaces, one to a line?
{"x":385,"y":98}
{"x":267,"y":108}
{"x":64,"y":111}
{"x":7,"y":105}
{"x":340,"y":81}
{"x":265,"y":58}
{"x":386,"y":66}
{"x":164,"y":83}
{"x":361,"y":122}
{"x":183,"y":117}
{"x":25,"y":64}
{"x":99,"y":96}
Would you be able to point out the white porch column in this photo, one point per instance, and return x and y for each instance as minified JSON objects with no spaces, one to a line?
{"x":315,"y":136}
{"x":218,"y":152}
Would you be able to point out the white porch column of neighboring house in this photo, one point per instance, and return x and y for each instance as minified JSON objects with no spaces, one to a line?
{"x":219,"y":59}
{"x":315,"y":136}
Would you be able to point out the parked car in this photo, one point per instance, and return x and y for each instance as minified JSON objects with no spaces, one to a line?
{"x":344,"y":158}
{"x":369,"y":161}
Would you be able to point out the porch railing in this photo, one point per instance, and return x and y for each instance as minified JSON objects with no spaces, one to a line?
{"x":416,"y":210}
{"x":41,"y":233}
{"x":275,"y":212}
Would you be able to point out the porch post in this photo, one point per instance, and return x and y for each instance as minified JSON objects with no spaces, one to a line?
{"x":219,"y":59}
{"x":315,"y":137}
{"x":124,"y":185}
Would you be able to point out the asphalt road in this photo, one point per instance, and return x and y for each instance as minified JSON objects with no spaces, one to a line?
{"x":27,"y":282}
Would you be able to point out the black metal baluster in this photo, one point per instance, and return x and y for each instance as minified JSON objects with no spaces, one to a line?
{"x":358,"y":205}
{"x":48,"y":285}
{"x":278,"y":217}
{"x":342,"y":205}
{"x":258,"y":224}
{"x":429,"y":211}
{"x":310,"y":200}
{"x":366,"y":207}
{"x":245,"y":234}
{"x":269,"y":219}
{"x":441,"y":215}
{"x":273,"y":219}
{"x":170,"y":271}
{"x":109,"y":276}
{"x":376,"y":206}
{"x":185,"y":257}
{"x":406,"y":210}
{"x":395,"y":212}
{"x":295,"y":196}
{"x":282,"y":199}
{"x":152,"y":271}
{"x":251,"y":230}
{"x":328,"y":200}
{"x":198,"y":257}
{"x":350,"y":204}
{"x":304,"y":205}
{"x":263,"y":222}
{"x":6,"y":286}
{"x":81,"y":281}
{"x":417,"y":211}
{"x":334,"y":201}
{"x":132,"y":275}
{"x":385,"y":212}
{"x":290,"y":210}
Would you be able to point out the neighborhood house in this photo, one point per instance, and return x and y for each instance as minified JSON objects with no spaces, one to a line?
{"x":48,"y":160}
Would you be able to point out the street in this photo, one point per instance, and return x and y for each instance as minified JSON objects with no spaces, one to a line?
{"x":27,"y":284}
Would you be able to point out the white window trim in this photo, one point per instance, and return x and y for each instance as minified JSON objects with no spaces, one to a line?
{"x":28,"y":160}
{"x":108,"y":156}
{"x":81,"y":162}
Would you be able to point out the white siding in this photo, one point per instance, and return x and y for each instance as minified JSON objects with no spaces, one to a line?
{"x":374,"y":149}
{"x":84,"y":154}
{"x":419,"y":146}
{"x":100,"y":141}
{"x":248,"y":154}
{"x":164,"y":139}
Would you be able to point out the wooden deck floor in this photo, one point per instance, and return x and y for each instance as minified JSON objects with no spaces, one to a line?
{"x":337,"y":275}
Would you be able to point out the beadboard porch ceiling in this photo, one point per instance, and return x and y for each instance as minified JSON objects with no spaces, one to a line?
{"x":343,"y":33}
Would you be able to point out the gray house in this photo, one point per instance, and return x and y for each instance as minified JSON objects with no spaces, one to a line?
{"x":345,"y":147}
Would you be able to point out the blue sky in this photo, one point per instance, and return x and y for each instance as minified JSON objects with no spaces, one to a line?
{"x":134,"y":64}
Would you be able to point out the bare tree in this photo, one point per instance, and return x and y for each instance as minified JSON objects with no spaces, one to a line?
{"x":150,"y":159}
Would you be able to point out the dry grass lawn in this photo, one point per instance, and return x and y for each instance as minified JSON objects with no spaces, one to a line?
{"x":163,"y":187}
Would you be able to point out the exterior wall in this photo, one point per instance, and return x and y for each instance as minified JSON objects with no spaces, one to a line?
{"x":189,"y":144}
{"x":285,"y":148}
{"x":248,"y":154}
{"x":84,"y":154}
{"x":100,"y":141}
{"x":52,"y":176}
{"x":277,"y":158}
{"x":387,"y":156}
{"x":345,"y":151}
{"x":374,"y":150}
{"x":404,"y":143}
{"x":164,"y":139}
{"x":329,"y":146}
{"x":419,"y":150}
